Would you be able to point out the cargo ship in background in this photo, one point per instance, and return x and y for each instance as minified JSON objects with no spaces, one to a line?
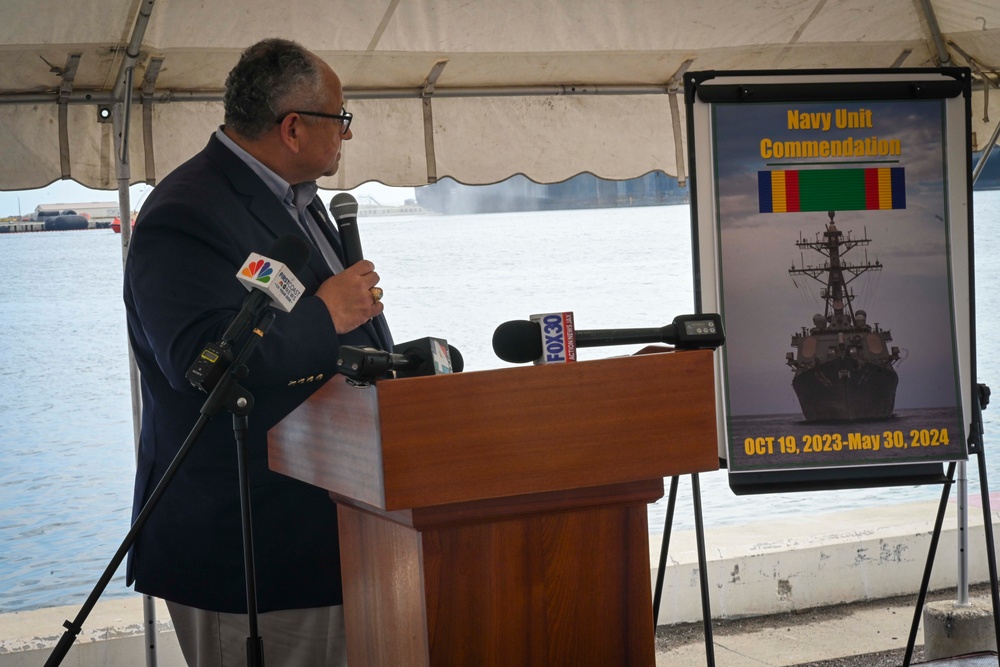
{"x":843,"y":365}
{"x":62,"y":217}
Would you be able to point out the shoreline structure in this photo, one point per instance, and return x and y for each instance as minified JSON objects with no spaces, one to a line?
{"x":778,"y":568}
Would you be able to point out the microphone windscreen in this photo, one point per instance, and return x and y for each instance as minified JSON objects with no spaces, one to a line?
{"x":290,"y":250}
{"x":343,"y":205}
{"x":518,"y":341}
{"x":457,"y":361}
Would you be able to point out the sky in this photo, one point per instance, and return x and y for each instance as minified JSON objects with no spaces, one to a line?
{"x":71,"y":192}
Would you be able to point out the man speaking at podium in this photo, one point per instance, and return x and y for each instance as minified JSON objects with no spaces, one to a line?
{"x":254,"y":182}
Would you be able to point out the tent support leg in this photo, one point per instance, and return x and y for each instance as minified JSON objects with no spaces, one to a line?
{"x":120,"y":118}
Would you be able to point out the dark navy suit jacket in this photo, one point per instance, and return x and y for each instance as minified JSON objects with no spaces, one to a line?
{"x":194,"y":233}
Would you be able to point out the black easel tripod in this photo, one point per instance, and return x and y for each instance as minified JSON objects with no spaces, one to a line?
{"x":216,"y":372}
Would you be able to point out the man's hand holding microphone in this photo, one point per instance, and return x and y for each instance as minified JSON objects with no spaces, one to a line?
{"x":352,"y":296}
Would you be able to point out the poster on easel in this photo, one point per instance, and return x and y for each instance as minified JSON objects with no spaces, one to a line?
{"x":832,"y":228}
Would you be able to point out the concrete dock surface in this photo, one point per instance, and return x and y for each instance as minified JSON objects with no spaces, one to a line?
{"x":872,"y":633}
{"x":831,"y":590}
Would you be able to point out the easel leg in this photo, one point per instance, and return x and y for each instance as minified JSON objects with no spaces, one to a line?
{"x":699,"y":528}
{"x":664,"y":545}
{"x":706,"y":611}
{"x":931,"y":551}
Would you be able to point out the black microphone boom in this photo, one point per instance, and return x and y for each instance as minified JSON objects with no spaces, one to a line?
{"x":520,"y":341}
{"x":603,"y":337}
{"x":344,"y":208}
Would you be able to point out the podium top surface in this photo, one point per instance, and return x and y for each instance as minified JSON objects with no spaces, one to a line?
{"x":429,"y":441}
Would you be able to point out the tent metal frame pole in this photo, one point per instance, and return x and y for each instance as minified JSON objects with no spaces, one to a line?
{"x":133,"y":50}
{"x":962,"y":543}
{"x":944,"y":58}
{"x":168,"y":96}
{"x":991,"y":144}
{"x":121,"y":118}
{"x":120,"y":113}
{"x":98,"y":97}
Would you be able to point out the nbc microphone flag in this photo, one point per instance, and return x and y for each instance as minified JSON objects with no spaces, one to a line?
{"x":273,"y":278}
{"x":789,"y":191}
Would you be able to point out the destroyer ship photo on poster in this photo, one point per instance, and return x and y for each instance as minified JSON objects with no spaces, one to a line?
{"x":843,"y":364}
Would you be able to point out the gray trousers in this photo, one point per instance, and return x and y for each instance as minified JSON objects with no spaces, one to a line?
{"x":291,"y":638}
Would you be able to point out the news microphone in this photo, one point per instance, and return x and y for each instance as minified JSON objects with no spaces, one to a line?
{"x":424,"y":356}
{"x":274,"y":274}
{"x":344,"y":208}
{"x":521,"y":341}
{"x":429,"y":356}
{"x":271,"y":281}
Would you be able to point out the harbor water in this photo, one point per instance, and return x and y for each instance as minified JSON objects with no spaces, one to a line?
{"x":66,"y":443}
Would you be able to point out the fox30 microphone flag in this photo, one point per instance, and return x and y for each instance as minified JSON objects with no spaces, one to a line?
{"x":558,"y":338}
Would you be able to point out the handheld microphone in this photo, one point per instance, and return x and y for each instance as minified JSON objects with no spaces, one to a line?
{"x":344,"y":208}
{"x":521,"y":341}
{"x":424,"y":356}
{"x":271,"y":281}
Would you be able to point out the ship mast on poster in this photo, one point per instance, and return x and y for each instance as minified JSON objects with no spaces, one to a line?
{"x":832,"y":220}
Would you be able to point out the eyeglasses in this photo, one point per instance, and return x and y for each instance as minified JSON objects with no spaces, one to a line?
{"x":344,"y":117}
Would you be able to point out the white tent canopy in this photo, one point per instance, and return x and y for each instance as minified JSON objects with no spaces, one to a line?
{"x":475,"y":90}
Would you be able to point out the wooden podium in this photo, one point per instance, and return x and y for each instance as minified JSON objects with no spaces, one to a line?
{"x":499,"y":517}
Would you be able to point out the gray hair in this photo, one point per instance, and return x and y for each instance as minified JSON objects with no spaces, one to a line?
{"x":272,"y":77}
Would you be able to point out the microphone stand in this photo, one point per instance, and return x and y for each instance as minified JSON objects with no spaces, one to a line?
{"x":228,"y":394}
